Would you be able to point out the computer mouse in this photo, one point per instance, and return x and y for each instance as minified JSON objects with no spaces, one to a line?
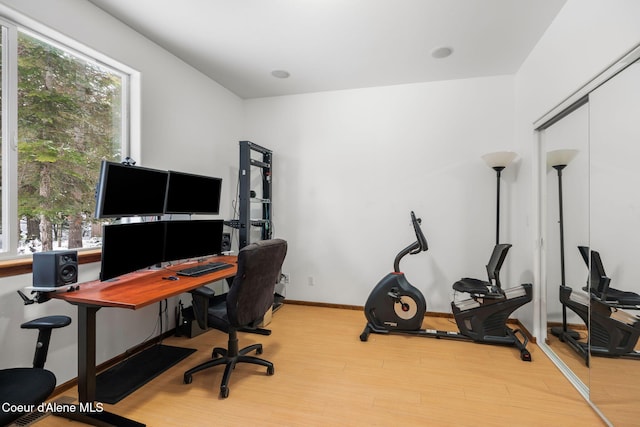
{"x":171,"y":278}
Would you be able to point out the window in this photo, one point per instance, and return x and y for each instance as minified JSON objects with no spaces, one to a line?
{"x":70,"y":113}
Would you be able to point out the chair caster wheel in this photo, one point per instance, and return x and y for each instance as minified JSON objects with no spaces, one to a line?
{"x":224,"y":392}
{"x":270,"y":370}
{"x":187,"y":379}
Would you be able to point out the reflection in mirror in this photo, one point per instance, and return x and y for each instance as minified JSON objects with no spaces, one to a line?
{"x":567,"y":227}
{"x":615,"y":235}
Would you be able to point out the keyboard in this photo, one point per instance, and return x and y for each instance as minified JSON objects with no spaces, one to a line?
{"x":202,"y":269}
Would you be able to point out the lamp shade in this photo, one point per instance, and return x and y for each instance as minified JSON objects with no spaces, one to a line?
{"x":560,"y":157}
{"x":499,"y":159}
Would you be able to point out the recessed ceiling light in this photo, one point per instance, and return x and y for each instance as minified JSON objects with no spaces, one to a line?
{"x":441,"y":52}
{"x":280,"y":74}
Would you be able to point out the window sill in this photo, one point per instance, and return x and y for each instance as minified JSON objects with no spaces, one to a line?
{"x":15,"y":267}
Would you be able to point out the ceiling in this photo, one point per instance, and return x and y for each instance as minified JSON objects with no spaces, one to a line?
{"x":339,"y":44}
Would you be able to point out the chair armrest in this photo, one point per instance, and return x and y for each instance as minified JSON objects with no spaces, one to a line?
{"x":203,"y":291}
{"x":44,"y":325}
{"x":200,"y":303}
{"x":48,"y":322}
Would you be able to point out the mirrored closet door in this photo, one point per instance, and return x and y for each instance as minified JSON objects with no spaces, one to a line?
{"x":614,"y":129}
{"x":590,"y":229}
{"x":566,"y":173}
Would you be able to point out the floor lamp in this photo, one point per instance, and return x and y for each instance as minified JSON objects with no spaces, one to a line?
{"x":498,"y":161}
{"x":558,"y":160}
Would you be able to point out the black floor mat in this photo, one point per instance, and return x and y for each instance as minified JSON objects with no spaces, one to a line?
{"x":119,"y":381}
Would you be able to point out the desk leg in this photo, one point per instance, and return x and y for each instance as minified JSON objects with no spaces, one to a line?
{"x":87,"y":353}
{"x":87,"y":375}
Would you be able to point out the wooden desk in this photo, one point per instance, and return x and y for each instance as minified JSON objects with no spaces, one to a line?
{"x":131,"y":291}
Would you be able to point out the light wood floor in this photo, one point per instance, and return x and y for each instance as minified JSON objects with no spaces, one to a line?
{"x":573,"y":360}
{"x":325,"y":376}
{"x":614,"y":383}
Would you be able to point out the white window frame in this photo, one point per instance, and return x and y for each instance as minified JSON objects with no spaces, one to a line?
{"x":9,"y":138}
{"x":11,"y":23}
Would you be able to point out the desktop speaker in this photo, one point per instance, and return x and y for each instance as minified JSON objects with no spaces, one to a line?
{"x":55,"y":268}
{"x":226,"y":242}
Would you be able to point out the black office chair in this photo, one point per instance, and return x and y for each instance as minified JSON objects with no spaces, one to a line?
{"x":30,"y":386}
{"x":249,"y":298}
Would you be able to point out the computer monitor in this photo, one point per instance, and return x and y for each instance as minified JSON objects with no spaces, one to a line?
{"x":130,"y":247}
{"x":125,"y":190}
{"x":186,"y":239}
{"x":192,"y":194}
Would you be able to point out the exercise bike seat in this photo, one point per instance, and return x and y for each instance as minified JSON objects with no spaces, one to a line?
{"x":486,"y":288}
{"x":623,"y":298}
{"x":477,"y":287}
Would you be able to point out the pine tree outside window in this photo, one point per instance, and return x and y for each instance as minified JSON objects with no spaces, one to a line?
{"x":69,"y":115}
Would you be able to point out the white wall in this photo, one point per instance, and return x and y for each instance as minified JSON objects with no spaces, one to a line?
{"x":188,"y":122}
{"x":584,"y":39}
{"x":350,"y":166}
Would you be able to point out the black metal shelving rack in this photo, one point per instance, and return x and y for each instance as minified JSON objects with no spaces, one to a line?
{"x":247,"y":196}
{"x":261,"y":162}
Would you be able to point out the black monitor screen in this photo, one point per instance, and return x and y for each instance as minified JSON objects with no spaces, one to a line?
{"x":130,"y":247}
{"x":192,"y":239}
{"x":192,"y":194}
{"x":125,"y":190}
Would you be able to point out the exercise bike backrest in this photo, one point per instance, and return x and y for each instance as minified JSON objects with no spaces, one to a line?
{"x":598,"y":281}
{"x":416,"y":247}
{"x":495,"y":263}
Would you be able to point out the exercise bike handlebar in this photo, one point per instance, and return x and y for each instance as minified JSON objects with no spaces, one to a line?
{"x":422,"y":241}
{"x":416,"y":247}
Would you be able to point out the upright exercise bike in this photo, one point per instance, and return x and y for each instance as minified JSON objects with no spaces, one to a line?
{"x":395,"y":306}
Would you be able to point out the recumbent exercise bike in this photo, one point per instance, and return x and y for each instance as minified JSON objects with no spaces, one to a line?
{"x":395,"y":306}
{"x":613,"y":331}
